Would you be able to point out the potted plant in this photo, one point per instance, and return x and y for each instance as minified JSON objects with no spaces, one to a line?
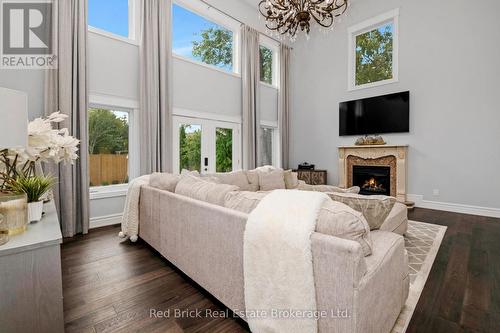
{"x":35,"y":188}
{"x":47,"y":143}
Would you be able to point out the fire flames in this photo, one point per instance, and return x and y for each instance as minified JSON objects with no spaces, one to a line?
{"x":372,"y":185}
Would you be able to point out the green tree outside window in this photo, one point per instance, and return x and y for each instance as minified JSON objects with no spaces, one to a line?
{"x":266,"y":65}
{"x":374,"y":55}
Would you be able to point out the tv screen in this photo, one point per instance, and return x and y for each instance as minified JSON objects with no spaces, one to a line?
{"x":375,"y":115}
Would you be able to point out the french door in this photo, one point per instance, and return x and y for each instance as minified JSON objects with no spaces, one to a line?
{"x":205,"y":145}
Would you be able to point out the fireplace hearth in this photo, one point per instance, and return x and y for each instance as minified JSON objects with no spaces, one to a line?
{"x":372,"y":180}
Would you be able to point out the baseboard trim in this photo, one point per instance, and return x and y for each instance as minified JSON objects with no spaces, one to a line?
{"x":453,"y":207}
{"x":102,"y":221}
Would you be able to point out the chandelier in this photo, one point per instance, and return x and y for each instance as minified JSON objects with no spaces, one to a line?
{"x":287,"y":16}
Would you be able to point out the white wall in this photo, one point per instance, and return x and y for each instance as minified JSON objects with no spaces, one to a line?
{"x":113,"y":67}
{"x":448,"y":59}
{"x":29,"y":81}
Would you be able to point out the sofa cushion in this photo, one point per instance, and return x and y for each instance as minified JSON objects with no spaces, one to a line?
{"x":164,"y":181}
{"x":326,"y":188}
{"x":339,"y":220}
{"x":375,"y":208}
{"x":238,"y":178}
{"x":203,"y":189}
{"x":243,"y":201}
{"x":291,"y":179}
{"x":272,"y":180}
{"x":397,"y":220}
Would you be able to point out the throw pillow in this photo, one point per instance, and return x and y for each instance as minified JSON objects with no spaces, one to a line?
{"x":291,"y":179}
{"x":339,"y":220}
{"x":375,"y":208}
{"x":243,"y":201}
{"x":164,"y":181}
{"x":272,"y":180}
{"x":204,"y":190}
{"x":326,"y":188}
{"x":238,"y":178}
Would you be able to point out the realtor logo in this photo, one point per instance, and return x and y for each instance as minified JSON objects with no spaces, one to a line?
{"x":28,"y":34}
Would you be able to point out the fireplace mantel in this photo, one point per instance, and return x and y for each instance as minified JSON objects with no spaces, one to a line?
{"x":376,"y":155}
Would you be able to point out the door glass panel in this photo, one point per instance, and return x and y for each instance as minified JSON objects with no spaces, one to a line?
{"x":189,"y":147}
{"x":266,"y":139}
{"x":224,"y":149}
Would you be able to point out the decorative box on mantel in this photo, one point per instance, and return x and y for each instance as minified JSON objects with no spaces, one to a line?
{"x":378,"y":169}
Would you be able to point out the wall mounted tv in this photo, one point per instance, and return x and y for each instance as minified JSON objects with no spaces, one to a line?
{"x":375,"y":115}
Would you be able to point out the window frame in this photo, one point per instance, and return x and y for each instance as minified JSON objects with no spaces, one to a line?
{"x":201,"y":9}
{"x":275,"y":48}
{"x":133,"y":26}
{"x":366,"y":26}
{"x":119,"y":104}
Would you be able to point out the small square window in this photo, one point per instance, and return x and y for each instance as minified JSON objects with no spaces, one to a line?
{"x":373,"y":51}
{"x":109,"y":15}
{"x":266,"y":65}
{"x":374,"y":55}
{"x":199,"y":39}
{"x":108,"y":147}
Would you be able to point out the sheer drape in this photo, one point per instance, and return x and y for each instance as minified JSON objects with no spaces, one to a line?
{"x":284,"y":105}
{"x":250,"y":75}
{"x":66,"y":91}
{"x":155,"y":118}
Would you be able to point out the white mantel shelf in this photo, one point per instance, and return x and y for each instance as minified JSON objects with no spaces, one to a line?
{"x":40,"y":234}
{"x":372,"y":146}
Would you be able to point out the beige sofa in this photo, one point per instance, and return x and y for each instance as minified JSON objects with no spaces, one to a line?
{"x":205,"y":241}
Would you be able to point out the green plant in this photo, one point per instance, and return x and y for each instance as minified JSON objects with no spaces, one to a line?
{"x":34,"y":187}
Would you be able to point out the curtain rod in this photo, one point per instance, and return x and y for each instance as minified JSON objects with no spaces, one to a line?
{"x":234,"y":18}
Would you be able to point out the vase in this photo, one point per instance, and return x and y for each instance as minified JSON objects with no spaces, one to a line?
{"x":14,"y":209}
{"x":35,"y":211}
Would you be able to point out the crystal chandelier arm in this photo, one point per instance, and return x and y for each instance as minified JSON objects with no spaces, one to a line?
{"x":327,"y":18}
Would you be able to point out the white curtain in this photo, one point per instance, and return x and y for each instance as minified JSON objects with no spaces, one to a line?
{"x":284,"y":105}
{"x":66,"y":91}
{"x":155,"y":120}
{"x":250,"y":74}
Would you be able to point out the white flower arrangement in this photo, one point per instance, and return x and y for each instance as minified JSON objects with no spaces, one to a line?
{"x":45,"y":144}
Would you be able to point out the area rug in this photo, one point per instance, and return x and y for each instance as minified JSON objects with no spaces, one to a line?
{"x":422,"y":241}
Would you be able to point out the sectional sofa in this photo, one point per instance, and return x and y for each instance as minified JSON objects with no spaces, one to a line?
{"x":204,"y":239}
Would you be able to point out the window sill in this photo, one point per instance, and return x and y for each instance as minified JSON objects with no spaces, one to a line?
{"x":111,"y":35}
{"x":272,"y":86}
{"x":194,"y":62}
{"x":111,"y":191}
{"x":373,"y":84}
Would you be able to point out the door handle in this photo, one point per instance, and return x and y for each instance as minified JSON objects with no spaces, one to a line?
{"x":206,"y":161}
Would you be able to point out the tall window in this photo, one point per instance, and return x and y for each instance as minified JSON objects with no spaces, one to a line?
{"x":267,"y":145}
{"x":266,"y":65}
{"x":200,"y":39}
{"x":112,"y":16}
{"x":108,"y":147}
{"x":373,"y":51}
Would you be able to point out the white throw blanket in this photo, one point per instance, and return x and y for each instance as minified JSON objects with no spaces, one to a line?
{"x":130,"y":218}
{"x":277,"y":261}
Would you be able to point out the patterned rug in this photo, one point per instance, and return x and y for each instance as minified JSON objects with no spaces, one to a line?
{"x":422,"y":241}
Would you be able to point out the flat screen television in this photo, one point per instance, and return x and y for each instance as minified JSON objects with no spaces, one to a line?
{"x":375,"y":115}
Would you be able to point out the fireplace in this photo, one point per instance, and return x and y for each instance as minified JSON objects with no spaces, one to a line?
{"x":386,"y":164}
{"x":372,"y":180}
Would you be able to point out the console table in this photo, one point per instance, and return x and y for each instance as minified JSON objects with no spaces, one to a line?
{"x":30,"y":278}
{"x":312,"y":177}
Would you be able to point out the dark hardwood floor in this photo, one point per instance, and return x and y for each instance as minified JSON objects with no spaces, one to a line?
{"x":111,"y":285}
